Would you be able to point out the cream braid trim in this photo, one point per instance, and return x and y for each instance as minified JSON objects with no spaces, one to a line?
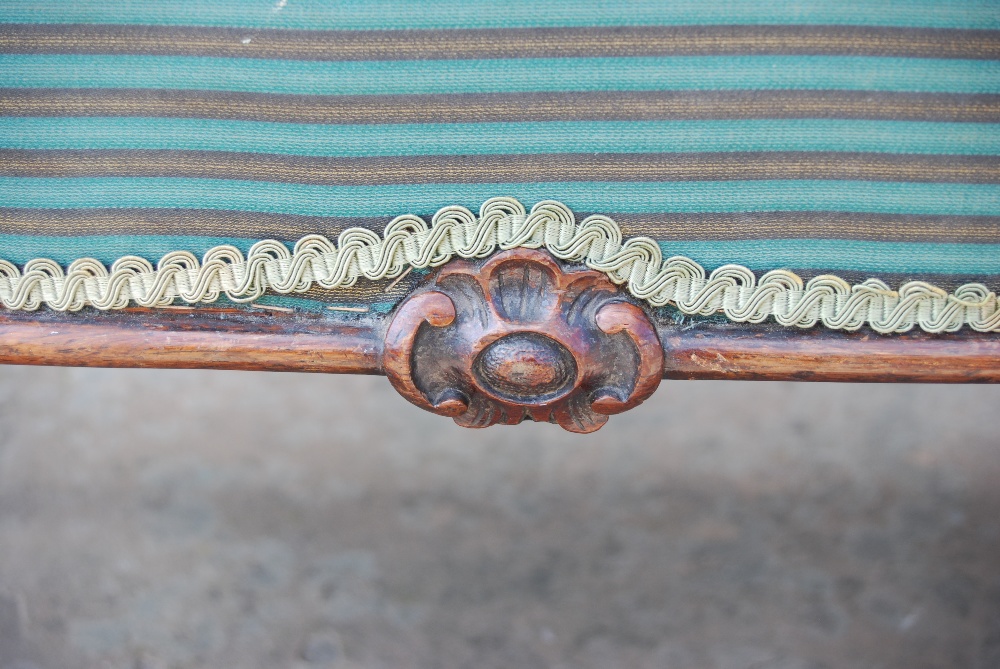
{"x":503,"y":223}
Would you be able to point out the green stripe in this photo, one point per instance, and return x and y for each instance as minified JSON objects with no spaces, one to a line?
{"x":306,"y":304}
{"x":843,"y":255}
{"x":846,"y":255}
{"x":625,"y":197}
{"x":401,"y":14}
{"x":500,"y":138}
{"x":502,"y":76}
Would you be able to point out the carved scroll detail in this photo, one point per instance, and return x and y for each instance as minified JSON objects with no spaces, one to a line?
{"x":518,"y":337}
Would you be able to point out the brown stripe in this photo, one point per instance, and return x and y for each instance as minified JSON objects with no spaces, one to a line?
{"x":502,"y":107}
{"x":363,"y":291}
{"x":812,"y":225}
{"x":195,"y":222}
{"x":673,"y":226}
{"x":505,"y":43}
{"x":518,"y":168}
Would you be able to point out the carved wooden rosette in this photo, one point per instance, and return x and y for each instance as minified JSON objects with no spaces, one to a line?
{"x":518,"y":336}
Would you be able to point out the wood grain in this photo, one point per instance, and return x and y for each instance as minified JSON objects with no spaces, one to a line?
{"x":239,"y":339}
{"x":777,"y":354}
{"x":518,"y":336}
{"x":205,"y":338}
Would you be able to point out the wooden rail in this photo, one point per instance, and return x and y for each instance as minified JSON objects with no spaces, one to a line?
{"x":241,"y":339}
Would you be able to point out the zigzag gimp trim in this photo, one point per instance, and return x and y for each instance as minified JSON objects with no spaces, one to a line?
{"x":503,"y":223}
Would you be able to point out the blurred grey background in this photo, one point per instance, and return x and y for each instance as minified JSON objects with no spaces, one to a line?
{"x":156,"y":519}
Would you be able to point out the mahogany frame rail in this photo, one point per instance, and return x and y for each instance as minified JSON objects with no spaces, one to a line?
{"x":230,"y":338}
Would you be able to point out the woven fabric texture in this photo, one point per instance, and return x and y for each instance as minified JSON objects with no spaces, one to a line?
{"x":856,"y":138}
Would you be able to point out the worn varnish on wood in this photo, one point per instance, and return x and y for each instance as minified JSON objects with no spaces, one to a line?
{"x":520,"y":337}
{"x":198,"y":338}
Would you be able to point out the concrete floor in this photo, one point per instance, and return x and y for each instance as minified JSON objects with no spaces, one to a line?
{"x":158,"y":519}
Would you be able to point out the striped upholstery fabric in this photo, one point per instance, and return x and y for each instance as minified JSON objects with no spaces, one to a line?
{"x":856,"y":137}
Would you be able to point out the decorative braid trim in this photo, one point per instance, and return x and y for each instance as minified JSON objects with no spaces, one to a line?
{"x":502,"y":224}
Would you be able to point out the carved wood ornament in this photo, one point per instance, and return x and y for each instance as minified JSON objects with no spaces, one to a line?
{"x":518,"y":336}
